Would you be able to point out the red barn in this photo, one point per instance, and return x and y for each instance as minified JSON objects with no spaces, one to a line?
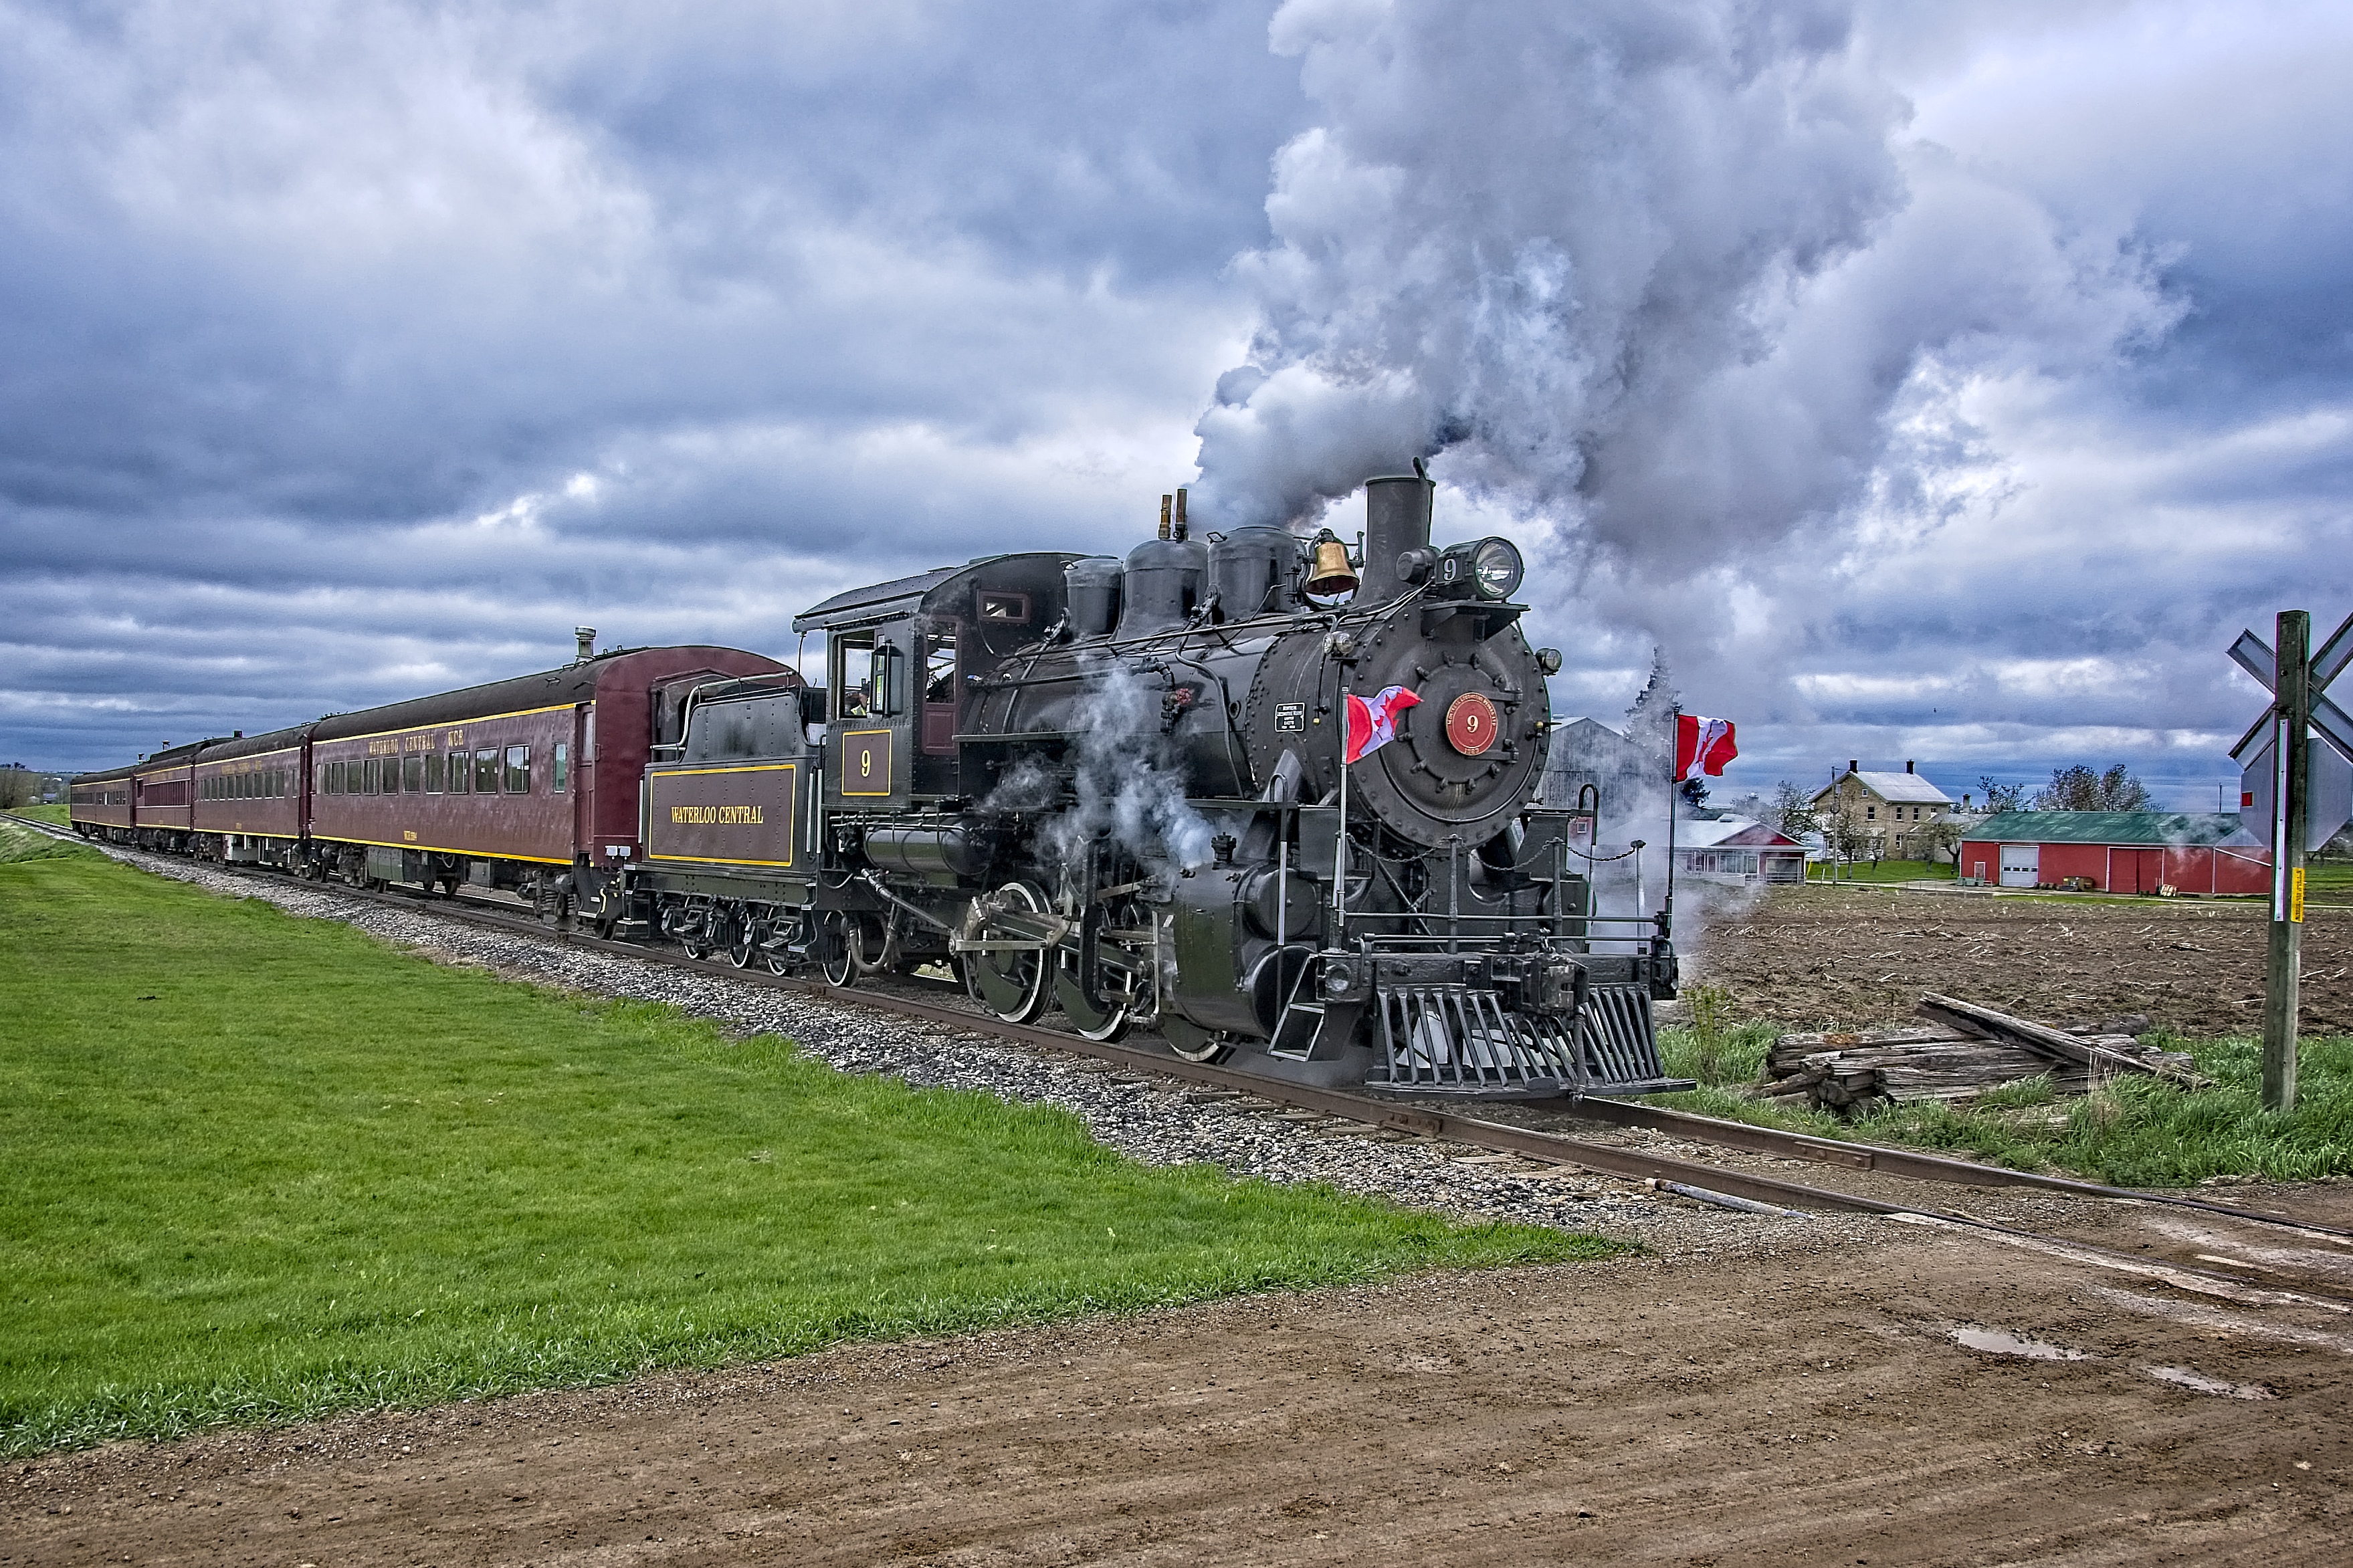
{"x":2117,"y":851}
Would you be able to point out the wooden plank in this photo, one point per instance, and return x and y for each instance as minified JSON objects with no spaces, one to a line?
{"x":2042,"y":1038}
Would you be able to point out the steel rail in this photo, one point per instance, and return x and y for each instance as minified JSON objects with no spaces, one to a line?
{"x":1913,"y":1163}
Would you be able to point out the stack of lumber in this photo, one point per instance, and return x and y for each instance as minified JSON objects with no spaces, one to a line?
{"x":1963,"y":1051}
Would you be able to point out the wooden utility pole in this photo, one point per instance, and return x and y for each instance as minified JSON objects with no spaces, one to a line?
{"x":2292,"y":710}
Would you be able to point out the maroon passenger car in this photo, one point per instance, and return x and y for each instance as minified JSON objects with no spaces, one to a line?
{"x":530,"y":783}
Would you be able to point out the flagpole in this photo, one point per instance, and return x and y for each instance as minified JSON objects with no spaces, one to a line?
{"x":1340,"y":851}
{"x":1667,"y":909}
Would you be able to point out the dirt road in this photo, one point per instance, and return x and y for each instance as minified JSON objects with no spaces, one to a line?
{"x":1786,"y":1404}
{"x":1849,"y":957}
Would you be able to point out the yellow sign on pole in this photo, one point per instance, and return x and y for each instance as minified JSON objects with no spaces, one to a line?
{"x":2296,"y":895}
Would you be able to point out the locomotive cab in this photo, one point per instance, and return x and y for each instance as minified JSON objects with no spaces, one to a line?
{"x":902,"y":660}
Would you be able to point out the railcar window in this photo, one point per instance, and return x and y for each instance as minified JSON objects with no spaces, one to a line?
{"x":412,"y":773}
{"x":853,"y":674}
{"x":435,"y":770}
{"x":939,"y":668}
{"x":461,"y":773}
{"x":559,"y":776}
{"x":518,"y":781}
{"x":486,"y":771}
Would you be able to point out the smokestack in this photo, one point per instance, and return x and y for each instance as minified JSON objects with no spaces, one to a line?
{"x":1907,"y":765}
{"x":1182,"y":532}
{"x":588,"y":639}
{"x":1164,"y":501}
{"x":1397,"y":519}
{"x":1853,"y":766}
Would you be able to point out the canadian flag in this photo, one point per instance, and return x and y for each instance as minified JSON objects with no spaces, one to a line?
{"x":1372,"y":722}
{"x":1702,"y":745}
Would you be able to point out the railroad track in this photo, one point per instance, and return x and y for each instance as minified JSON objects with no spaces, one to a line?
{"x":1709,"y":1184}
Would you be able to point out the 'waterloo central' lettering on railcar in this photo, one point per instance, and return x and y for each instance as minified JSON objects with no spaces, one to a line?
{"x":741,"y":816}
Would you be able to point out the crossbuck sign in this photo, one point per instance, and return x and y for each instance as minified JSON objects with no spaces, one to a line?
{"x":2299,"y":781}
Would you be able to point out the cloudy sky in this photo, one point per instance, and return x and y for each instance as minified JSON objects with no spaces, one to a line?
{"x":1941,"y":382}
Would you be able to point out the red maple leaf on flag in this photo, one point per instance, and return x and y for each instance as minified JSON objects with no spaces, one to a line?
{"x":1702,"y":745}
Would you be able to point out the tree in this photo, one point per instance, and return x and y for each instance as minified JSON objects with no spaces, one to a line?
{"x":1791,"y":812}
{"x":1843,"y":833}
{"x":2078,"y":788}
{"x":2001,"y":797}
{"x":19,"y":785}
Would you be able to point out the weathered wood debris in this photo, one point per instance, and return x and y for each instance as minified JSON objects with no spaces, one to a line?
{"x":1963,"y":1051}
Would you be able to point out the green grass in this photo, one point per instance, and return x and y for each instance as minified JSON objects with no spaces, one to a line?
{"x":260,"y":1169}
{"x":53,"y":814}
{"x":2135,"y":1132}
{"x":20,"y":843}
{"x":1885,"y":871}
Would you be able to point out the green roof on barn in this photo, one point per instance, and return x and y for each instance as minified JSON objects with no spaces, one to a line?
{"x":2152,"y":827}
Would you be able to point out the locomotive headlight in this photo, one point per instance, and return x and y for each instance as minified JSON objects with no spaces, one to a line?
{"x":1496,"y":568}
{"x":1483,"y":568}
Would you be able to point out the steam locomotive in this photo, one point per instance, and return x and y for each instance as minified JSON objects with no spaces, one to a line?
{"x":1267,"y":796}
{"x":1120,"y":787}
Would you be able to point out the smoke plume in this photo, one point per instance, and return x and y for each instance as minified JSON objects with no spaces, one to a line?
{"x":1657,"y":272}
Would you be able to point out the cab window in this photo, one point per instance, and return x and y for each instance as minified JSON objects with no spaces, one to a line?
{"x":853,"y":675}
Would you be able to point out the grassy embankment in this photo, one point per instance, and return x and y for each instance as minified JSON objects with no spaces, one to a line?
{"x":260,"y":1168}
{"x":2133,"y":1131}
{"x":19,"y":843}
{"x":54,"y":815}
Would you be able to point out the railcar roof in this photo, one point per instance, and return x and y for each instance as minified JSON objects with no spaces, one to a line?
{"x":237,"y":746}
{"x":517,"y":694}
{"x":851,"y":604}
{"x":904,"y":596}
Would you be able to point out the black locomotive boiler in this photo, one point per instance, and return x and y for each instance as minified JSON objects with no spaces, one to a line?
{"x":1116,"y":787}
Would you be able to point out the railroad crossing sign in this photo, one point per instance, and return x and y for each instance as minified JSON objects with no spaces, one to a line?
{"x":2283,"y":766}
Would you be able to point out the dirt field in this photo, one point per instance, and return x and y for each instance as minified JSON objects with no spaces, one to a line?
{"x":1808,"y":1404}
{"x":1849,"y":957}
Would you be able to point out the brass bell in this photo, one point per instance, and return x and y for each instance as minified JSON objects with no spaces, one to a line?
{"x":1331,"y":576}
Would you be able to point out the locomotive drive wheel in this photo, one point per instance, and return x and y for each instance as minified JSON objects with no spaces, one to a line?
{"x":1102,"y":1012}
{"x":1011,"y":985}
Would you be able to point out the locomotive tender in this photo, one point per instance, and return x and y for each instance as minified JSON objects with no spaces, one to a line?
{"x":1117,"y":788}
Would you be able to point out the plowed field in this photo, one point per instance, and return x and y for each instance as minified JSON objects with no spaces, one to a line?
{"x":1849,"y":957}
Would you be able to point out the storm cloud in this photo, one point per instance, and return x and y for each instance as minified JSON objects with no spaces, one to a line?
{"x":1943,"y":385}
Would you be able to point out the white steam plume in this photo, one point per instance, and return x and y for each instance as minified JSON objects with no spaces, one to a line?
{"x":1127,"y":783}
{"x":1657,"y":271}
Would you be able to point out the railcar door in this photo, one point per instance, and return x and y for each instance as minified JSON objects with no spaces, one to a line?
{"x":871,"y":738}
